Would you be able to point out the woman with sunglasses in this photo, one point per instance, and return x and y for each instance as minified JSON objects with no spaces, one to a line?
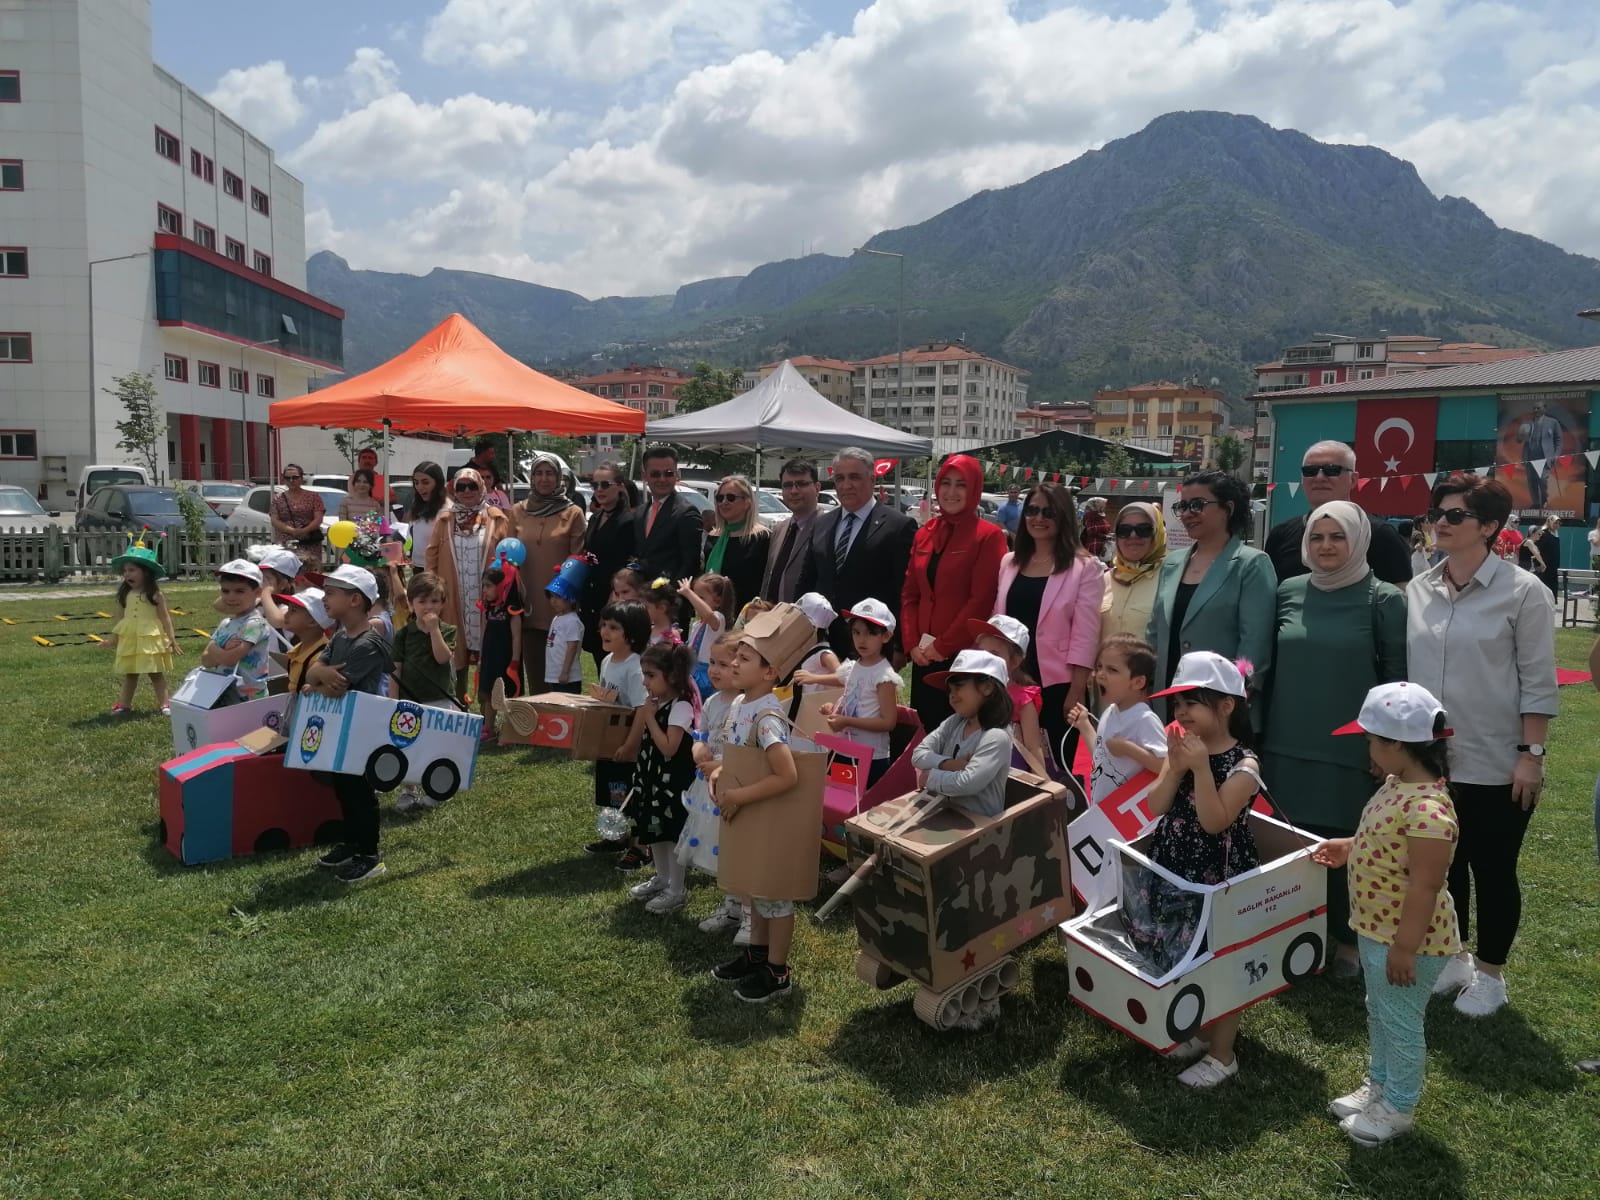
{"x":551,"y":525}
{"x":739,"y":539}
{"x":609,"y":538}
{"x":1220,"y":594}
{"x":1341,"y":631}
{"x":296,"y":516}
{"x":1480,"y":635}
{"x":1141,"y":547}
{"x":459,"y":551}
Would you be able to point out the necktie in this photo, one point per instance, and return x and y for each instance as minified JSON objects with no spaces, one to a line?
{"x":841,"y":548}
{"x":775,"y":589}
{"x":650,"y":521}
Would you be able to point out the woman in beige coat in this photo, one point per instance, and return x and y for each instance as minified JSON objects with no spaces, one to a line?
{"x":460,"y":550}
{"x":552,"y":527}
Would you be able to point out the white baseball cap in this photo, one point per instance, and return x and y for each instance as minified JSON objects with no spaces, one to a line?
{"x":285,"y":562}
{"x":972,"y":662}
{"x":356,"y":579}
{"x":1401,"y":712}
{"x":243,"y":568}
{"x":311,"y":601}
{"x":1205,"y":669}
{"x":817,"y":609}
{"x":1007,"y":629}
{"x":873,"y":612}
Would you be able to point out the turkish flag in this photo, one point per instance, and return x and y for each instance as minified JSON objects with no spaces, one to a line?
{"x":1394,"y":441}
{"x":883,"y":466}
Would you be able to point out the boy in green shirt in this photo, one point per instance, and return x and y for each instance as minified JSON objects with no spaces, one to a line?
{"x":422,"y":652}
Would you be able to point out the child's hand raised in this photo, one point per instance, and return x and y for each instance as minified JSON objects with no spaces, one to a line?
{"x":686,"y":588}
{"x":1187,"y":749}
{"x":1078,"y":718}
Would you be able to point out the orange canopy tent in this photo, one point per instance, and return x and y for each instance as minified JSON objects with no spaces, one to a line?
{"x":455,"y":381}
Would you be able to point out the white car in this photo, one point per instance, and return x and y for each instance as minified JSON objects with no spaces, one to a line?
{"x":251,"y":512}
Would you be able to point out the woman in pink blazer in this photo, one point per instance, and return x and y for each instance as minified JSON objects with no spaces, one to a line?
{"x":1054,"y":587}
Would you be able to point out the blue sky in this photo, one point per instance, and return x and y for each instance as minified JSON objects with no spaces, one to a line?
{"x":629,"y":146}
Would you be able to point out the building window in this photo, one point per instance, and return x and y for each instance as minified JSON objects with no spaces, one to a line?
{"x":232,"y":185}
{"x":652,"y":389}
{"x":633,"y":389}
{"x":238,"y":381}
{"x":10,"y":174}
{"x":261,"y":262}
{"x":10,"y":87}
{"x":18,"y":443}
{"x":169,"y":220}
{"x":14,"y":262}
{"x":166,"y":145}
{"x":1139,"y":406}
{"x":16,"y":347}
{"x":205,"y":236}
{"x":208,"y":374}
{"x":1189,"y":430}
{"x":266,"y":386}
{"x":1189,"y":406}
{"x":1365,"y":373}
{"x":236,"y":250}
{"x":1330,"y":376}
{"x":202,"y":166}
{"x":177,"y":368}
{"x":258,"y":201}
{"x":1364,"y":350}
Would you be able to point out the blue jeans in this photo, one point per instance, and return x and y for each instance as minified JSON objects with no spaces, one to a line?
{"x":1394,"y":1022}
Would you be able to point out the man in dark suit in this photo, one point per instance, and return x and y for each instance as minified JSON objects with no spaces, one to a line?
{"x":861,"y":549}
{"x":667,"y":531}
{"x":792,"y":542}
{"x":1328,"y":472}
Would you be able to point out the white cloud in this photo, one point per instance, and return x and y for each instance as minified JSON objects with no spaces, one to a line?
{"x":261,"y":98}
{"x":371,"y":74}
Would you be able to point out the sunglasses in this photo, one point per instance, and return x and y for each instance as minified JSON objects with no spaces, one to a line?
{"x":1451,"y":516}
{"x":468,"y":487}
{"x":668,"y":474}
{"x":604,"y":483}
{"x":1193,"y":506}
{"x":1330,"y":470}
{"x":293,"y":478}
{"x":1036,"y":511}
{"x":1135,"y":531}
{"x":728,"y":497}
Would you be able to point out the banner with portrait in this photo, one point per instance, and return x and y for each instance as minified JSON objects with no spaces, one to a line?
{"x":1539,"y":452}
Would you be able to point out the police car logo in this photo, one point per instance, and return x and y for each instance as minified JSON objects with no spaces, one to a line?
{"x":406,"y":724}
{"x":274,"y":721}
{"x":311,"y":739}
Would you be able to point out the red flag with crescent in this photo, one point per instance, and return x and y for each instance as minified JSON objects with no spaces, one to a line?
{"x":1395,"y":441}
{"x":883,"y":466}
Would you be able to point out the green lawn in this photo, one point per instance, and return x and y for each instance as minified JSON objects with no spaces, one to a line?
{"x":495,"y":1018}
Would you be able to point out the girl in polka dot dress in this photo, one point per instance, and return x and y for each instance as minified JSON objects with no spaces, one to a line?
{"x":1400,"y":908}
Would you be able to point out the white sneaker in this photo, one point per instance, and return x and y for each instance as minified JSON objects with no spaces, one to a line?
{"x":1484,"y":995}
{"x":653,"y":886}
{"x":667,"y":902}
{"x":723,"y":918}
{"x":1378,"y":1123}
{"x":408,"y":798}
{"x":1187,"y":1052}
{"x":1208,"y":1072}
{"x":1357,"y":1101}
{"x":1458,"y":973}
{"x":742,"y":938}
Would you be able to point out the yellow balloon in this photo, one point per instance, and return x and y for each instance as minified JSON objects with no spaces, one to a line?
{"x":341,"y":534}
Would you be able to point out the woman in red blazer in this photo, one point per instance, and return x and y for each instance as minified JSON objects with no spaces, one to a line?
{"x":955,"y":569}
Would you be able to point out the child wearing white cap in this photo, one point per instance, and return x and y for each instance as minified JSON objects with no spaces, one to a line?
{"x":1400,"y":908}
{"x":968,"y":757}
{"x":239,"y":647}
{"x":870,"y":706}
{"x":1007,"y":639}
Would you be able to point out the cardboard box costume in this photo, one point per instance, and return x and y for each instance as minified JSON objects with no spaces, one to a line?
{"x":389,"y":741}
{"x":198,"y":721}
{"x":227,"y":801}
{"x":586,"y":728}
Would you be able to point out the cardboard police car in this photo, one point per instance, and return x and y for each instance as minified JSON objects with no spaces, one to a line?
{"x":391,"y":742}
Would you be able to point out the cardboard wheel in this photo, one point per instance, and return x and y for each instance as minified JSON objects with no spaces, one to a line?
{"x":386,"y":769}
{"x":1302,"y":958}
{"x":269,"y":840}
{"x":441,"y":779}
{"x":1186,"y":1013}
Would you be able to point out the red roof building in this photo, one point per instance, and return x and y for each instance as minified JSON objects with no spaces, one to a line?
{"x":651,"y":390}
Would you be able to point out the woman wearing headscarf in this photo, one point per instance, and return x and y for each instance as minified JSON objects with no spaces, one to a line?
{"x":954,"y":577}
{"x":1341,"y":631}
{"x":459,"y":551}
{"x":552,"y":527}
{"x":738,"y":541}
{"x":1141,"y":546}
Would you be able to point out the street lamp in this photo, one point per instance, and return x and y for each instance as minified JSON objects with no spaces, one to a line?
{"x":899,"y":327}
{"x":244,"y":402}
{"x":94,"y":430}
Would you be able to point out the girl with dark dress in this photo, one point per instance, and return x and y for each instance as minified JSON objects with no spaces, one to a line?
{"x":501,"y":603}
{"x":663,"y":772}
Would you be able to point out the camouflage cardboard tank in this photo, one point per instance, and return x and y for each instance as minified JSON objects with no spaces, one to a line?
{"x":954,"y":896}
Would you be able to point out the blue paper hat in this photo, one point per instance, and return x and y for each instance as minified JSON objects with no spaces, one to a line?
{"x":570,"y":578}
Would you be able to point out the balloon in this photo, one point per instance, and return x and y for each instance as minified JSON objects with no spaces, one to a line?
{"x":512,"y":551}
{"x":341,"y":534}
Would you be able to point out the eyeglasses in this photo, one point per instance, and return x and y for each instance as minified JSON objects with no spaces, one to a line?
{"x":1035,"y":511}
{"x":1331,"y":470}
{"x":728,"y":497}
{"x":293,"y":478}
{"x":793,"y":484}
{"x":1196,"y":506}
{"x":604,"y":483}
{"x":1451,"y":516}
{"x":1135,"y":531}
{"x":667,"y":474}
{"x":468,"y":487}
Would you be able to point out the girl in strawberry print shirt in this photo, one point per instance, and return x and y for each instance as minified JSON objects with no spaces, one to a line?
{"x":1400,"y":909}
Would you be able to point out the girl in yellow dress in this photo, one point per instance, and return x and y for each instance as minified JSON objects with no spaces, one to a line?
{"x":143,"y":636}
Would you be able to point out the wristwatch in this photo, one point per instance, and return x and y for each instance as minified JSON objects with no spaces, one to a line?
{"x":1534,"y":748}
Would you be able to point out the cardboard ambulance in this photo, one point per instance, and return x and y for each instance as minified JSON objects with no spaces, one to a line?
{"x":389,"y":741}
{"x":197,"y":722}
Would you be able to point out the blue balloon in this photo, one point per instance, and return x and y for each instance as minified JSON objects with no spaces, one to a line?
{"x":512,"y":551}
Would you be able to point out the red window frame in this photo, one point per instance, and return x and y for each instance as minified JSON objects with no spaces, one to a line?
{"x":172,"y":216}
{"x":176,"y":154}
{"x":33,"y":433}
{"x":21,"y":183}
{"x":183,"y":368}
{"x":17,"y":75}
{"x":238,"y":380}
{"x":4,"y":273}
{"x":232,"y":185}
{"x":266,"y":386}
{"x":260,"y":202}
{"x":261,"y":263}
{"x":6,"y":335}
{"x":200,"y":373}
{"x":202,"y":166}
{"x":235,"y":244}
{"x":210,"y":239}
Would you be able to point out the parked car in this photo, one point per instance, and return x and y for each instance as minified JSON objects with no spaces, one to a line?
{"x":223,"y":495}
{"x":132,"y":508}
{"x":339,"y":483}
{"x":98,"y":475}
{"x":251,"y":512}
{"x":21,"y":513}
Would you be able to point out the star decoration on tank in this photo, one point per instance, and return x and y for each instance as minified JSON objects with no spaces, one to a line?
{"x":968,"y":960}
{"x":998,"y":941}
{"x":1048,"y":914}
{"x":1025,"y":928}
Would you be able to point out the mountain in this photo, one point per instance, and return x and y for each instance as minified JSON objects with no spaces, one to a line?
{"x":1193,"y":248}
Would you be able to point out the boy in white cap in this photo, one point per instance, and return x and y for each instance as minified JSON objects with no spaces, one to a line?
{"x":238,"y":647}
{"x":968,"y":758}
{"x":817,"y":669}
{"x":869,"y":708}
{"x":279,"y":569}
{"x":307,"y":619}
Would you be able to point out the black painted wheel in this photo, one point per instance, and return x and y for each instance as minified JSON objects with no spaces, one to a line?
{"x":1186,"y":1013}
{"x":1297,"y":965}
{"x":270,"y":840}
{"x":386,"y":769}
{"x":441,"y":780}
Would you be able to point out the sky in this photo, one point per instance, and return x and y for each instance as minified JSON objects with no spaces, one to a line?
{"x":626,"y":147}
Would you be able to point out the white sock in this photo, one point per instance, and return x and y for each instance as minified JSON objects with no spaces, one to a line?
{"x":668,"y":867}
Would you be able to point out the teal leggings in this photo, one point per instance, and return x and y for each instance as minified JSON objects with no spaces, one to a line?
{"x":1394,"y":1023}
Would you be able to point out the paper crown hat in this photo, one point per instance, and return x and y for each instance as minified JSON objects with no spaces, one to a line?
{"x":570,"y":578}
{"x":138,"y":552}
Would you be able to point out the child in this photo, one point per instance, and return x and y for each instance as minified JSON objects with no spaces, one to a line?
{"x":423,"y":648}
{"x":354,"y":660}
{"x":968,"y":758}
{"x":870,"y":706}
{"x":306,"y":619}
{"x":279,"y":569}
{"x":711,"y":597}
{"x":1400,"y":908}
{"x":563,"y":672}
{"x":239,"y":645}
{"x":1007,"y":639}
{"x":820,"y":662}
{"x":704,"y":817}
{"x":663,"y":773}
{"x":661,"y":603}
{"x":624,"y":634}
{"x":1131,"y":737}
{"x":143,"y":636}
{"x":760,"y":972}
{"x":628,"y":584}
{"x":1203,"y":797}
{"x":501,"y":602}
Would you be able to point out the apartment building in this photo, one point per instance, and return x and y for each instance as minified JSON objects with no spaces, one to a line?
{"x":1180,"y":419}
{"x":832,"y":377}
{"x":950,"y":393}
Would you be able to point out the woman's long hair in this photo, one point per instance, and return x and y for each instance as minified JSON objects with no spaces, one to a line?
{"x":427,"y":510}
{"x":149,"y":591}
{"x":752,"y":523}
{"x":1067,"y":545}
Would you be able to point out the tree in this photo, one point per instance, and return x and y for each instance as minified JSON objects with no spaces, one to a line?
{"x":708,"y":386}
{"x":143,"y":433}
{"x":1229,"y":454}
{"x":349,"y":445}
{"x":1116,"y":463}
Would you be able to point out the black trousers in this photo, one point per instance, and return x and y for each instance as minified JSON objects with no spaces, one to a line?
{"x":574,"y":688}
{"x":932,"y":703}
{"x":359,"y":804}
{"x":1492,"y":828}
{"x":1053,"y":720}
{"x":611,"y":782}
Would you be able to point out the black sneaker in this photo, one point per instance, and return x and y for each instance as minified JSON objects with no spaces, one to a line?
{"x":633,"y":858}
{"x":338,"y":856}
{"x":764,"y":984}
{"x":360,"y":868}
{"x":737,"y":968}
{"x":605,"y":847}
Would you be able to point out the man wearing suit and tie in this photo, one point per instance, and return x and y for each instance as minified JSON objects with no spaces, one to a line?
{"x":791,"y":544}
{"x":861,"y":549}
{"x":668,"y":534}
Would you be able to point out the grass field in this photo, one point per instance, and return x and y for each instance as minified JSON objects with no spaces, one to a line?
{"x":494,"y":1018}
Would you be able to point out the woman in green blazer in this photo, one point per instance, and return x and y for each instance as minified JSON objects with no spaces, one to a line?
{"x":1219,"y":594}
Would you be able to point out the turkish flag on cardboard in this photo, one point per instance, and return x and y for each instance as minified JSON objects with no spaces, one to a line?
{"x":1394,"y":440}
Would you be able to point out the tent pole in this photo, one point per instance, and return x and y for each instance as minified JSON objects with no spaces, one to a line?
{"x":383,"y":525}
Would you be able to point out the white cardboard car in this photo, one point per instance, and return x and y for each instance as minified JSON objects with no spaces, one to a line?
{"x":389,"y":741}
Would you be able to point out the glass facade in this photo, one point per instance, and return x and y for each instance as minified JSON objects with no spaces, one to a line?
{"x":197,"y":292}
